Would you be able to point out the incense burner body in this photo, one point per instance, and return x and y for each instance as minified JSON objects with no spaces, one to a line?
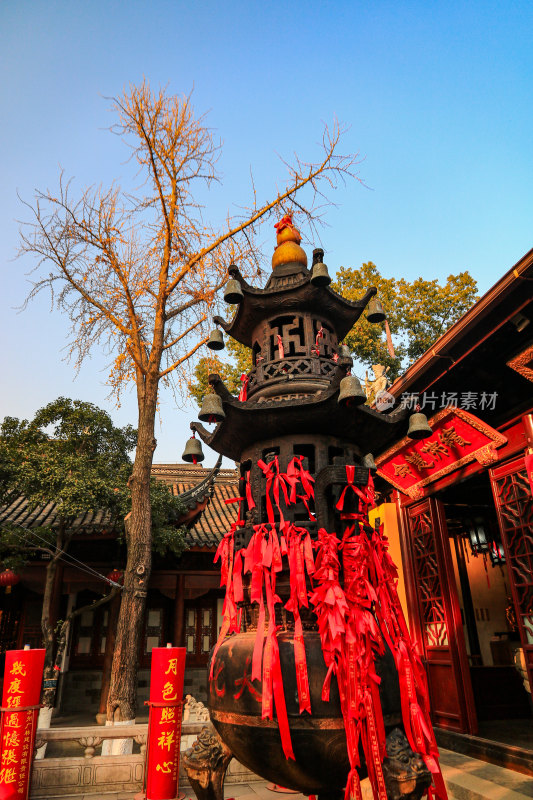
{"x":321,"y":762}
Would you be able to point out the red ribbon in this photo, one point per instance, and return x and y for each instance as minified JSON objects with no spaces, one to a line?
{"x":275,"y":481}
{"x":390,"y":346}
{"x":281,"y":351}
{"x":320,"y":335}
{"x":243,"y":394}
{"x":230,"y":616}
{"x":353,"y":622}
{"x":299,"y":548}
{"x":354,"y":619}
{"x":285,"y":222}
{"x":248,"y":490}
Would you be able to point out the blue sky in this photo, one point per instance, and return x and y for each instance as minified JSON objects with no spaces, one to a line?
{"x":438,"y":97}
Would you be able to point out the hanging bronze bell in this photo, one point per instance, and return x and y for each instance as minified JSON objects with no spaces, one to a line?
{"x":344,"y":351}
{"x":418,"y":426}
{"x":375,"y":311}
{"x":351,"y":392}
{"x":216,"y":340}
{"x":211,"y":410}
{"x":193,"y":452}
{"x":369,"y":463}
{"x":320,"y":275}
{"x":233,"y":292}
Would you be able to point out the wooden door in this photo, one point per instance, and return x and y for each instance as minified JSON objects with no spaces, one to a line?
{"x":436,"y":616}
{"x":514,"y":504}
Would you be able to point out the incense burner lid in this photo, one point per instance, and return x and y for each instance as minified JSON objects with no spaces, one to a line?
{"x":371,"y":430}
{"x":289,"y":290}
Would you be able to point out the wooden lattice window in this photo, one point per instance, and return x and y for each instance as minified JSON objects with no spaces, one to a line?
{"x":430,"y":594}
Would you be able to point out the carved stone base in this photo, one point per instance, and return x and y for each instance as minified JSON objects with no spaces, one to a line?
{"x":406,"y":775}
{"x":206,"y":763}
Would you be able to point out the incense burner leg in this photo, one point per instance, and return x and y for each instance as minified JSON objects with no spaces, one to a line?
{"x":206,"y":763}
{"x":406,"y":775}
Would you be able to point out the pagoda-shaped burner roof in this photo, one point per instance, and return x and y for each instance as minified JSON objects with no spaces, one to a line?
{"x":321,"y":413}
{"x":289,"y":290}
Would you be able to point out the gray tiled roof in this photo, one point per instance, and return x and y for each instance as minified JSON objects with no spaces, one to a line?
{"x":209,"y":528}
{"x":205,"y":531}
{"x":18,"y":511}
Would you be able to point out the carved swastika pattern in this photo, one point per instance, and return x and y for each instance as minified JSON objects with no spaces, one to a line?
{"x":291,"y":330}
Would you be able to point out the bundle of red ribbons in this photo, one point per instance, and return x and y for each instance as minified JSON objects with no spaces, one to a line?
{"x":358,"y":616}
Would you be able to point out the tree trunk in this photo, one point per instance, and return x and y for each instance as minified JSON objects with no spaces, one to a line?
{"x":52,"y":585}
{"x":108,"y":659}
{"x":122,"y":699}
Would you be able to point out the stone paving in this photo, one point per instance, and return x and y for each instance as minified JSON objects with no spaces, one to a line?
{"x":472,"y":779}
{"x":242,"y":791}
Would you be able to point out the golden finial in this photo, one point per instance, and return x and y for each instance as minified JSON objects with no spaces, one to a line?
{"x":288,"y":248}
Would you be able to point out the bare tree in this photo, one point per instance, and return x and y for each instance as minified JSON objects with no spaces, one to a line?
{"x":140,"y":273}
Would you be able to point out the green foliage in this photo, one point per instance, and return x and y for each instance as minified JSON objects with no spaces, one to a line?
{"x":418,"y":313}
{"x":166,"y":509}
{"x":72,"y":455}
{"x":229,"y":371}
{"x":16,"y":544}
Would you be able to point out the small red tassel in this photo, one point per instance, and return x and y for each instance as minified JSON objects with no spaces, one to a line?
{"x":390,"y":346}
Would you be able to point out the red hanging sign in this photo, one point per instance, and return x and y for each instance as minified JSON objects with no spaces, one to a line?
{"x":164,"y":723}
{"x":458,"y":438}
{"x":20,"y":707}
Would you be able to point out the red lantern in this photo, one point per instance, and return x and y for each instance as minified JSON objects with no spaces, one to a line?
{"x":8,"y":578}
{"x":116,"y":575}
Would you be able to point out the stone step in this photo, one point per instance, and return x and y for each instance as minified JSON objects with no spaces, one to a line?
{"x":471,"y":779}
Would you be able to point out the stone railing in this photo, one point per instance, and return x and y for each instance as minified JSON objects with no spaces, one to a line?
{"x":91,"y":737}
{"x":93,"y":773}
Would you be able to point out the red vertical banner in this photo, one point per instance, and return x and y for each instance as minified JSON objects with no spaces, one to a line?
{"x":164,"y":728}
{"x":20,"y":707}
